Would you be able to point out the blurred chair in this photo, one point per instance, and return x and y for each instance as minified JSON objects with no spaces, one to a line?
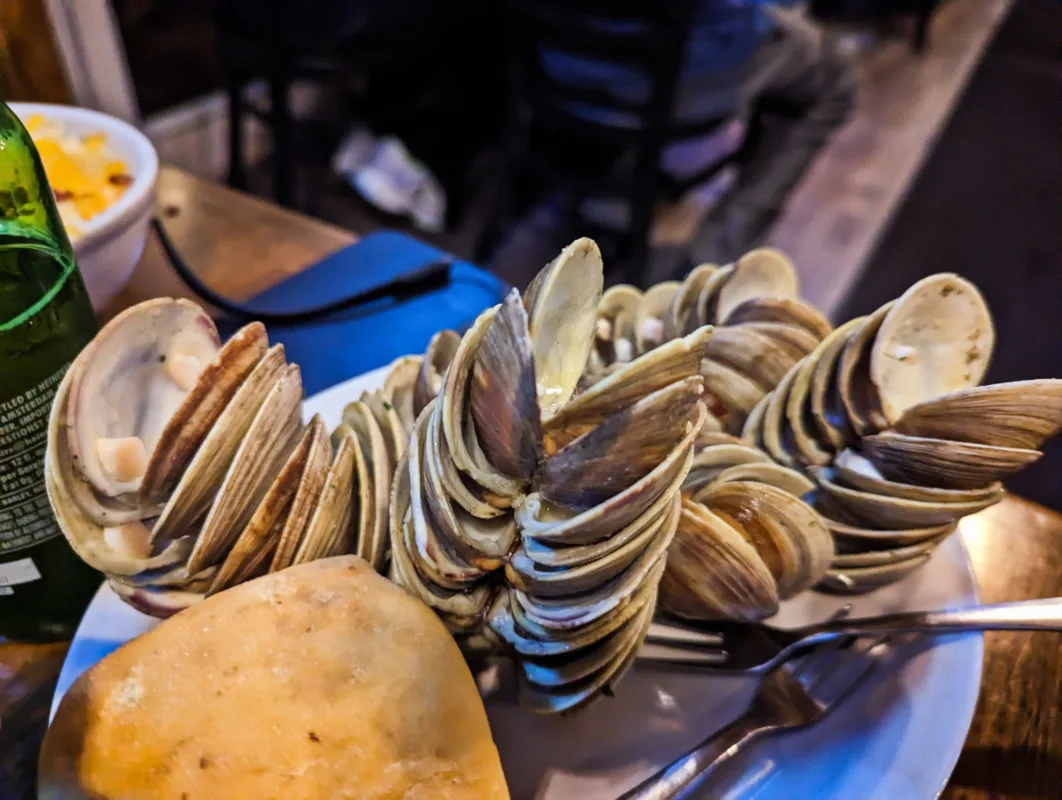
{"x":601,"y":78}
{"x":346,"y":45}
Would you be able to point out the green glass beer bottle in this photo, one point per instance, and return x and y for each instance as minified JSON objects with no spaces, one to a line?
{"x":45,"y":320}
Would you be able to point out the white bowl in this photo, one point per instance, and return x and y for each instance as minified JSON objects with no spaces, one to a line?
{"x":110,"y":243}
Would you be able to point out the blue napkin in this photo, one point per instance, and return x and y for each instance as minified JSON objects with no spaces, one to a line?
{"x":352,"y":342}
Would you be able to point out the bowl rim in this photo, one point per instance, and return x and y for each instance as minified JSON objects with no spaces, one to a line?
{"x":122,"y":137}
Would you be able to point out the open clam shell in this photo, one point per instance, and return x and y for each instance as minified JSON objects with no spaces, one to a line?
{"x":857,"y":392}
{"x":331,"y":527}
{"x":562,"y":526}
{"x":827,"y":412}
{"x":398,"y":386}
{"x":809,"y":450}
{"x":461,"y":439}
{"x":664,"y":366}
{"x":763,"y":272}
{"x":390,"y":424}
{"x":854,"y":471}
{"x":786,"y":310}
{"x":200,"y":409}
{"x":713,"y":572}
{"x":160,"y":603}
{"x":877,"y":510}
{"x":461,"y":489}
{"x":776,"y":436}
{"x":610,"y":340}
{"x":128,"y":383}
{"x":650,"y":314}
{"x":880,"y":558}
{"x":621,"y":450}
{"x":562,"y":312}
{"x":787,"y":533}
{"x":858,"y":580}
{"x":792,"y":335}
{"x":372,"y":529}
{"x":503,"y":395}
{"x":441,"y":351}
{"x":262,"y":451}
{"x":253,"y":549}
{"x":481,"y":542}
{"x":736,"y":392}
{"x":936,"y":339}
{"x":1023,"y":414}
{"x":850,"y":536}
{"x":683,"y":316}
{"x":711,"y":460}
{"x":198,"y":485}
{"x":752,"y":431}
{"x":760,"y":357}
{"x":709,"y":296}
{"x":944,"y":463}
{"x":306,"y":498}
{"x":788,"y":480}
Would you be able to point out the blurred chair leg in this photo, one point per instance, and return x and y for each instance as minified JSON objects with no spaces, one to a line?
{"x":237,"y":177}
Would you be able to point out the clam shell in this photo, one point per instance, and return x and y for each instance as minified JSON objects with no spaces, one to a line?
{"x":562,"y":312}
{"x":120,"y":386}
{"x":481,"y":542}
{"x":158,"y":603}
{"x":797,"y":416}
{"x":878,"y":558}
{"x":623,"y":333}
{"x":713,"y":572}
{"x":709,"y":296}
{"x":641,"y":528}
{"x":577,"y":695}
{"x":736,"y":392}
{"x":390,"y":424}
{"x":619,"y":299}
{"x":650,"y":314}
{"x":563,"y":526}
{"x":710,"y":461}
{"x":943,"y":463}
{"x":858,"y":580}
{"x":666,"y":365}
{"x":788,"y":310}
{"x":398,"y":385}
{"x":465,"y":492}
{"x":827,"y":412}
{"x":372,"y":527}
{"x":331,"y":527}
{"x":787,"y":533}
{"x":937,"y":339}
{"x":878,"y":510}
{"x":752,"y":431}
{"x":792,"y":335}
{"x":788,"y":480}
{"x":527,"y":576}
{"x":761,"y":358}
{"x":622,"y":449}
{"x":503,"y":397}
{"x":262,"y":452}
{"x":856,"y":472}
{"x":197,"y":487}
{"x":457,"y":425}
{"x":777,"y":439}
{"x":1023,"y":414}
{"x":857,"y":392}
{"x":462,"y":609}
{"x":200,"y":409}
{"x":253,"y":550}
{"x":852,"y":536}
{"x":94,"y":507}
{"x":683,"y":317}
{"x":763,"y":272}
{"x":441,"y":351}
{"x":307,"y":496}
{"x":428,"y":549}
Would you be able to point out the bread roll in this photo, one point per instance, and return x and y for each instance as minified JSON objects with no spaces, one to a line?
{"x":319,"y":681}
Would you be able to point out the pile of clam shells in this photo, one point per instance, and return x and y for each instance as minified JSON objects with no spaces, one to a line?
{"x":745,"y":538}
{"x":179,"y":466}
{"x":886,"y":415}
{"x":762,"y":329}
{"x":534,"y":522}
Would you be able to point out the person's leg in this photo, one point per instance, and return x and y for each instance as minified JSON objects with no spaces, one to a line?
{"x":802,"y":87}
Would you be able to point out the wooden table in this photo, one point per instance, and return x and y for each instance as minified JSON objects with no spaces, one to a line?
{"x":240,"y":246}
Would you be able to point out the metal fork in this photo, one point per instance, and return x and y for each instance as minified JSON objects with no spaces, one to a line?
{"x":753,"y":648}
{"x":789,"y":697}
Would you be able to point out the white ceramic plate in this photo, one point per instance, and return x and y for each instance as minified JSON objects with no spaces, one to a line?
{"x":899,"y":737}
